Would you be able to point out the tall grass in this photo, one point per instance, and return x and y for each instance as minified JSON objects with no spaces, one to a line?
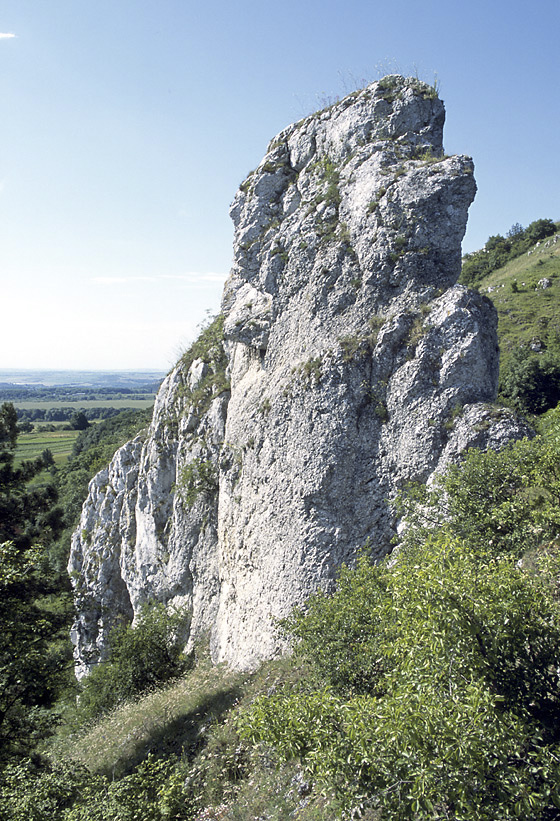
{"x":192,"y":723}
{"x":169,"y":721}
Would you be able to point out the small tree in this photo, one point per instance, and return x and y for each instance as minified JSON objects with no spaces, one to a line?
{"x":531,"y":382}
{"x":79,"y":421}
{"x":48,"y":458}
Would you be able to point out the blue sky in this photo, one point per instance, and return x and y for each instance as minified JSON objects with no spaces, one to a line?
{"x":129,"y":124}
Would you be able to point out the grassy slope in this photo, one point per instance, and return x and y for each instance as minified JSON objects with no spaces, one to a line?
{"x":165,"y":722}
{"x":193,"y":722}
{"x":530,"y":312}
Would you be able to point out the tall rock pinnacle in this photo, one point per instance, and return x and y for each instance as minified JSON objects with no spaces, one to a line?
{"x":354,"y":364}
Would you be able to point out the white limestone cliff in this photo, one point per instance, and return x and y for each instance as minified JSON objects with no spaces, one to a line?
{"x":346,"y":363}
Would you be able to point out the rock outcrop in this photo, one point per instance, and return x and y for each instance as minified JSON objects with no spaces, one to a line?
{"x":345,"y":363}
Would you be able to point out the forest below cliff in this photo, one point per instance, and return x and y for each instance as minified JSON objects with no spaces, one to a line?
{"x":426,"y":687}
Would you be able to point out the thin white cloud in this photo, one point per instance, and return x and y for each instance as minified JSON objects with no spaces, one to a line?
{"x":210,"y":276}
{"x":6,"y":36}
{"x":122,"y":280}
{"x":191,"y":278}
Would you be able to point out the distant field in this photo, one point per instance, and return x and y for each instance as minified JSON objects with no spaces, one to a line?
{"x":59,"y":442}
{"x":80,"y":404}
{"x":49,"y":391}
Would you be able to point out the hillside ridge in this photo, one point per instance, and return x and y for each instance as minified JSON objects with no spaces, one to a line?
{"x":525,"y":292}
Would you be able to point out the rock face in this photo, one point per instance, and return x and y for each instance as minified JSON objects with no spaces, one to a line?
{"x":346,"y":362}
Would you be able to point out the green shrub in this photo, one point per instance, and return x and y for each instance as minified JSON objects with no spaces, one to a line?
{"x":30,"y":792}
{"x":435,"y":690}
{"x":41,"y":792}
{"x":199,"y":476}
{"x":531,"y":382}
{"x":439,"y":697}
{"x":506,"y":501}
{"x":140,"y":657}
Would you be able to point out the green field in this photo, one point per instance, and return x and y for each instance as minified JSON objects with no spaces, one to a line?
{"x":59,"y":442}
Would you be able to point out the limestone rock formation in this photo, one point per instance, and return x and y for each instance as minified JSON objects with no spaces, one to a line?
{"x":345,"y":363}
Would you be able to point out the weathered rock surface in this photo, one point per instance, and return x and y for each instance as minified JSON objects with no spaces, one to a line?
{"x":355,"y":362}
{"x":138,"y":537}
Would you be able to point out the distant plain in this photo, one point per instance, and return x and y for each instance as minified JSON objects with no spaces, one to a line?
{"x":86,"y":391}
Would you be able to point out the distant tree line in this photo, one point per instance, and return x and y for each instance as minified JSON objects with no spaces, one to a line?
{"x":59,"y":393}
{"x":498,"y":250}
{"x":64,"y":414}
{"x":108,"y":436}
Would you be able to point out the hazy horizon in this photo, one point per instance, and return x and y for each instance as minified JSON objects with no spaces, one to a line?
{"x":63,"y":377}
{"x":129,"y":126}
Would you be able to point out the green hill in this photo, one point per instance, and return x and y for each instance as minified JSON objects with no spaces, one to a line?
{"x":526,"y":293}
{"x":422,"y":689}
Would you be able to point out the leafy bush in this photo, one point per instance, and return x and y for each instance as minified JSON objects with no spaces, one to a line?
{"x":31,"y":669}
{"x":461,"y":700}
{"x":32,"y":792}
{"x":503,"y":501}
{"x":530,"y":382}
{"x":436,"y":691}
{"x":334,"y":630}
{"x":140,"y":657}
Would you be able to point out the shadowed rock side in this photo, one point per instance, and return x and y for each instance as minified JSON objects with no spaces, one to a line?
{"x":355,"y":364}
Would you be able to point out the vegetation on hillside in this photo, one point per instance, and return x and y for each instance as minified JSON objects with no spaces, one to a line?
{"x":498,"y":250}
{"x":140,"y":658}
{"x":92,"y":451}
{"x":520,"y":273}
{"x":425,"y":687}
{"x":39,"y":507}
{"x":30,"y":660}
